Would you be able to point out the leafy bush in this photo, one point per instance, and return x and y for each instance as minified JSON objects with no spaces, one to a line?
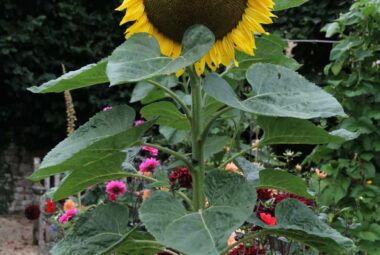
{"x":353,"y":189}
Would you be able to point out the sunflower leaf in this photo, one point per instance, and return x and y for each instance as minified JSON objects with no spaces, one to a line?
{"x":278,"y":92}
{"x":89,"y":75}
{"x":284,"y":181}
{"x":270,"y":49}
{"x":231,"y":200}
{"x":95,"y":232}
{"x":103,"y":137}
{"x":168,"y":115}
{"x":281,"y":5}
{"x":298,"y":222}
{"x":139,"y":58}
{"x":294,"y":131}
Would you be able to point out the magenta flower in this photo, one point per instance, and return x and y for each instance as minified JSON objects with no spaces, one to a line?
{"x":148,"y":165}
{"x":67,"y":215}
{"x":115,"y":189}
{"x":152,"y":151}
{"x":139,"y":122}
{"x":107,"y":108}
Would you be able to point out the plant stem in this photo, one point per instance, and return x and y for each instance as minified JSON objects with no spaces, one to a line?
{"x":197,"y":141}
{"x":186,"y":199}
{"x":141,"y":176}
{"x":173,"y":153}
{"x":173,"y":96}
{"x":212,"y":120}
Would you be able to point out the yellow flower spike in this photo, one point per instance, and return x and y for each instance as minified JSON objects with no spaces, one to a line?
{"x":234,"y":23}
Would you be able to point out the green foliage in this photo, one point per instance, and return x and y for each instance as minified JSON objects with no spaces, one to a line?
{"x":94,"y":152}
{"x":36,"y":38}
{"x":294,"y":131}
{"x":283,"y":181}
{"x":168,"y":115}
{"x":287,"y":4}
{"x":231,"y":200}
{"x":92,"y":74}
{"x":305,"y":22}
{"x":297,"y":222}
{"x":354,"y":79}
{"x":277,"y":91}
{"x":269,"y":50}
{"x":139,"y":58}
{"x":94,"y":233}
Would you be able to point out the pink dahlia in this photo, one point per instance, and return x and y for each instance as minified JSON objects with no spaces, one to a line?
{"x":148,"y":165}
{"x":67,"y":215}
{"x":139,"y":122}
{"x":152,"y":151}
{"x":115,"y":189}
{"x":107,"y":108}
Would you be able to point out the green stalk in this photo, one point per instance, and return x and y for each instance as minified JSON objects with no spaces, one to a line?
{"x":197,"y":141}
{"x":175,"y":154}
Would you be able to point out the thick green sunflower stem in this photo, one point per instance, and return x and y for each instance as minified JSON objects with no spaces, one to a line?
{"x":197,"y":141}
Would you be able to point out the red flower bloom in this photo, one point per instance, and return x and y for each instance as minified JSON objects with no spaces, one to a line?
{"x":182,"y":177}
{"x":32,"y":212}
{"x":264,"y":194}
{"x":268,"y":219}
{"x":241,"y":249}
{"x":49,"y":206}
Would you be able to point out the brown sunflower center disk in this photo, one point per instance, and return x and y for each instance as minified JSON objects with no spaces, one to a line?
{"x":173,"y":17}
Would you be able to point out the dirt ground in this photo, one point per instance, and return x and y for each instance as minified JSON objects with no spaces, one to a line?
{"x":16,"y":236}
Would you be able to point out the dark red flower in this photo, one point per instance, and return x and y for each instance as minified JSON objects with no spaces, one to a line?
{"x":264,"y":194}
{"x":281,"y":197}
{"x":32,"y":212}
{"x":241,"y":249}
{"x":268,"y":219}
{"x":49,"y":206}
{"x":181,"y":177}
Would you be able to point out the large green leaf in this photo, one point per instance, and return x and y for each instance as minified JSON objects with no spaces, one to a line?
{"x":168,"y":115}
{"x":251,"y":171}
{"x":279,"y":92}
{"x":96,"y":231}
{"x":103,"y":137}
{"x":86,"y":76}
{"x":297,"y":222}
{"x":294,"y":131}
{"x":231,"y":200}
{"x":86,"y":176}
{"x":270,"y":49}
{"x":284,"y":181}
{"x":144,"y":90}
{"x":135,"y":245}
{"x":139,"y":58}
{"x":214,"y":145}
{"x":281,"y":5}
{"x":172,"y":135}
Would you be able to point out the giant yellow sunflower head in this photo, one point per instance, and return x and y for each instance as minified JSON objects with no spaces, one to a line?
{"x":233,"y":22}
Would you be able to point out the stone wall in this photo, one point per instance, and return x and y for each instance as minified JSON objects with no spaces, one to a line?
{"x":16,"y":164}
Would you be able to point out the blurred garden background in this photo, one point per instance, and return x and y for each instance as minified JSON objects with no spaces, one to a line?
{"x":40,"y":37}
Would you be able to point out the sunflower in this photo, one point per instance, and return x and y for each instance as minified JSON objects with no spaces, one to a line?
{"x":234,"y":23}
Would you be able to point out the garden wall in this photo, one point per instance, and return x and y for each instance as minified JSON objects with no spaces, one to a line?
{"x":16,"y":190}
